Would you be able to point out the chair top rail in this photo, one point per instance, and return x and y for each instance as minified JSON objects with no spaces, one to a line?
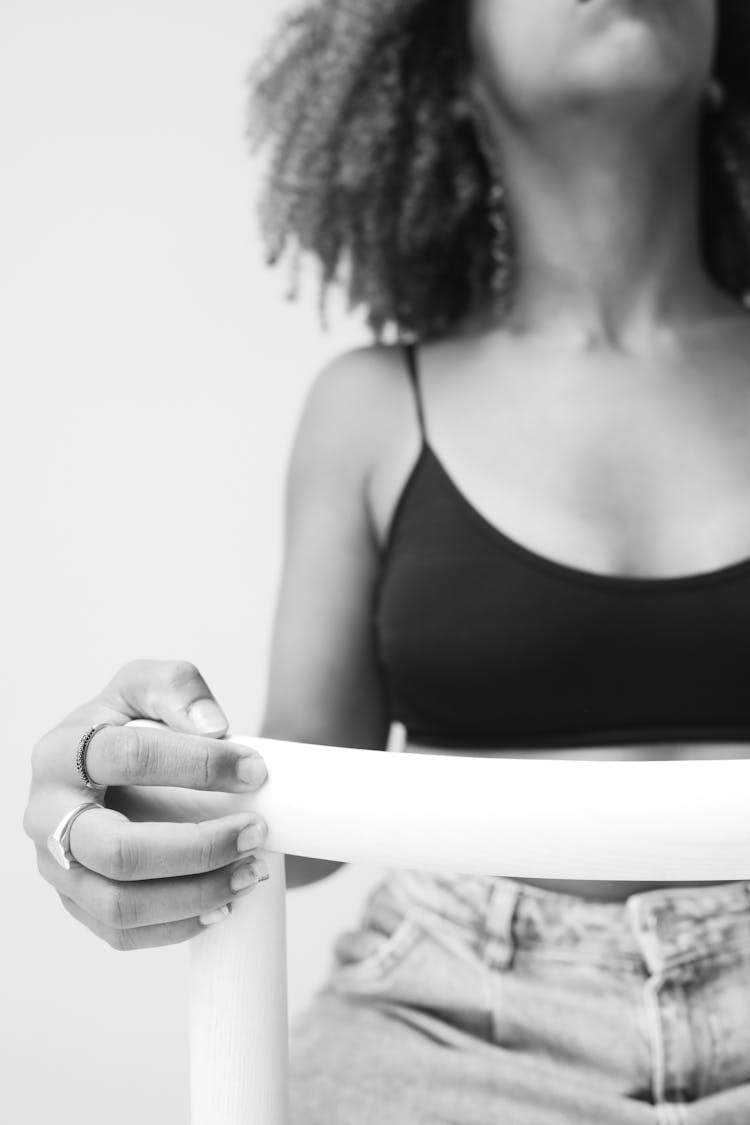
{"x":535,"y":818}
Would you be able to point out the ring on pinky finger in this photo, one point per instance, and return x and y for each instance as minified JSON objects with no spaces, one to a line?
{"x":141,"y":937}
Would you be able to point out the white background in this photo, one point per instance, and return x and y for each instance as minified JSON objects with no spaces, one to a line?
{"x":152,"y":373}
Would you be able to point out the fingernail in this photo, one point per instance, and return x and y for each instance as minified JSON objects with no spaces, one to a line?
{"x":252,"y":770}
{"x":207,"y":716}
{"x":215,"y":916}
{"x":251,"y":836}
{"x":248,"y":875}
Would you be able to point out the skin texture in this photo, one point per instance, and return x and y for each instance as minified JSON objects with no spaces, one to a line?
{"x":598,"y":416}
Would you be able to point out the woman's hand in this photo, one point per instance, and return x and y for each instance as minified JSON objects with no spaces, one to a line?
{"x":158,"y":864}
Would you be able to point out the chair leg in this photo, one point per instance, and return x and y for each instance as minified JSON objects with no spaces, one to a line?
{"x":238,"y":1011}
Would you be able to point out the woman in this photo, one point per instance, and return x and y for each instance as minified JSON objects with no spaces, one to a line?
{"x":526,"y":531}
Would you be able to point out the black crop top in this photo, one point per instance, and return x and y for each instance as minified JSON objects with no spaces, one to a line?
{"x":483,"y":642}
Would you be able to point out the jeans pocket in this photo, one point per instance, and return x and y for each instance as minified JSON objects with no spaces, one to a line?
{"x":406,"y":956}
{"x":387,"y":934}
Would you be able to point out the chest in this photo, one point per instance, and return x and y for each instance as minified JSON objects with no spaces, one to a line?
{"x":605,"y":466}
{"x":487,"y":643}
{"x":568,"y":561}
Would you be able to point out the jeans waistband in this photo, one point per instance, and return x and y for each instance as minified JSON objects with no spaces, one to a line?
{"x":658,"y":928}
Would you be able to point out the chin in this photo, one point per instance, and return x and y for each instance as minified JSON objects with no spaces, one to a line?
{"x":637,"y":51}
{"x":633,"y":76}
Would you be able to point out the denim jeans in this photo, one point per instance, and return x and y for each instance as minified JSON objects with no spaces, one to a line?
{"x":482,"y":1001}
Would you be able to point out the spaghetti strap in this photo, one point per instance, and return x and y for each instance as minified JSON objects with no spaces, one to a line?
{"x":410,"y":350}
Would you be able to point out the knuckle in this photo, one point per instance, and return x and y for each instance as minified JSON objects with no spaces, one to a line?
{"x":131,"y":669}
{"x":209,"y":852}
{"x":180,"y":673}
{"x":122,"y":858}
{"x":144,"y":756}
{"x":114,"y":909}
{"x":135,"y":752}
{"x":122,"y":747}
{"x":206,"y":767}
{"x":199,"y":765}
{"x":121,"y":684}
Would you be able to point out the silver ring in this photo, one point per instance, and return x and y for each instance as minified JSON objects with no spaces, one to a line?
{"x":83,"y":746}
{"x":58,"y":842}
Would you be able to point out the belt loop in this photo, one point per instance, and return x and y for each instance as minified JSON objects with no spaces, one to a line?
{"x":643,"y":914}
{"x":499,"y":940}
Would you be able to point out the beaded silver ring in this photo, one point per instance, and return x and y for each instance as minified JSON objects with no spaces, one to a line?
{"x":83,"y":746}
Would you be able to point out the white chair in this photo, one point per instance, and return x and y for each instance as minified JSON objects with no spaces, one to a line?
{"x":535,"y":818}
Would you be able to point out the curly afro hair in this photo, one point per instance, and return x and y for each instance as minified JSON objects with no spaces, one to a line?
{"x":376,"y":170}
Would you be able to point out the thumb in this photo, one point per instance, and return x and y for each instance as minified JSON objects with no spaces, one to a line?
{"x":171,"y":691}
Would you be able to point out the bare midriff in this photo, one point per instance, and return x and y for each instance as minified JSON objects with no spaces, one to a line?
{"x":616,"y":891}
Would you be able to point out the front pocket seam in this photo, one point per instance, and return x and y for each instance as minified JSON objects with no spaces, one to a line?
{"x":389,"y":955}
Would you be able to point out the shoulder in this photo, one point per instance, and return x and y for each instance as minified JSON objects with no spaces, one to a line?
{"x":356,"y":382}
{"x":350,"y":406}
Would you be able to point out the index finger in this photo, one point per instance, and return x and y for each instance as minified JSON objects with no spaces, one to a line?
{"x":155,"y":755}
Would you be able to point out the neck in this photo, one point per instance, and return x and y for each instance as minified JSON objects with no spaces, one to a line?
{"x":606,"y":234}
